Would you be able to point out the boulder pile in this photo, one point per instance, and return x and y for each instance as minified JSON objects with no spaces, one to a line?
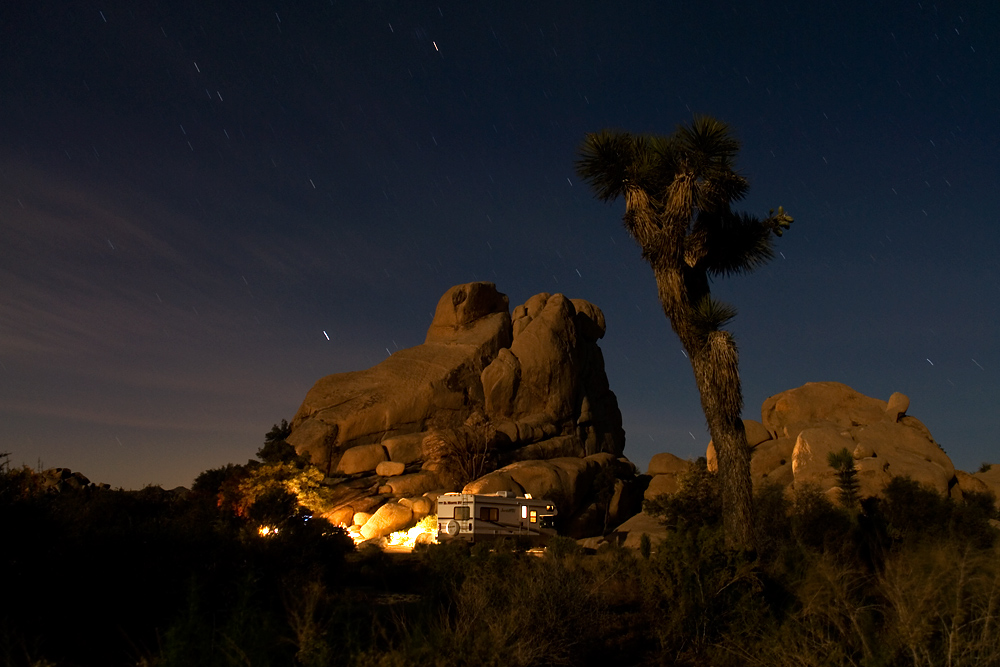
{"x":57,"y":480}
{"x":492,"y":400}
{"x":801,"y":426}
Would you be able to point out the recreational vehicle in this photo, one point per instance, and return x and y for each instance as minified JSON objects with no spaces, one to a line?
{"x":474,"y":517}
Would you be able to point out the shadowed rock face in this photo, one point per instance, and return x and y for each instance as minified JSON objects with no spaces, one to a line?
{"x":535,"y":382}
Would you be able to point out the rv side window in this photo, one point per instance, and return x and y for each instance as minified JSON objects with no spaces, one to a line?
{"x":534,"y":516}
{"x":462,"y":513}
{"x":489,"y":514}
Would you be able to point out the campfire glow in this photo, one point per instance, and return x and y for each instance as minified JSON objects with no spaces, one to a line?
{"x":408,"y":538}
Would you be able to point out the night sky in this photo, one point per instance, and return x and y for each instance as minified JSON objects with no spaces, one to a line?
{"x":195,"y":195}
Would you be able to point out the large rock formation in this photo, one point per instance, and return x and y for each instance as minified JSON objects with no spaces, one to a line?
{"x":801,"y":426}
{"x":484,"y":390}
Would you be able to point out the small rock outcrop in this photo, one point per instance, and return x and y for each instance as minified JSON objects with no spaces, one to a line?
{"x":525,"y":392}
{"x":57,"y":480}
{"x":984,"y":481}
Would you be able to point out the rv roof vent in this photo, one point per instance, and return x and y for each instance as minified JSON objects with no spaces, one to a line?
{"x":505,"y":494}
{"x":527,"y":496}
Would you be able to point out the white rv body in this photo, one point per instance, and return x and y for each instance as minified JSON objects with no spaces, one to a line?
{"x":474,"y":517}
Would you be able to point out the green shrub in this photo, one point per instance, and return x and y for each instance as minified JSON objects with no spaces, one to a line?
{"x":560,"y":547}
{"x":700,"y":596}
{"x":645,"y":546}
{"x":697,"y":503}
{"x":847,"y":476}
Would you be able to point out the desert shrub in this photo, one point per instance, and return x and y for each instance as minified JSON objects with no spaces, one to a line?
{"x":838,"y":614}
{"x":913,"y":511}
{"x":241,"y":628}
{"x":302,"y":481}
{"x":817,"y":523}
{"x":943,"y":605}
{"x":645,"y":546}
{"x":444,"y":566}
{"x":772,"y":511}
{"x":464,"y":453}
{"x":519,"y":610}
{"x":847,"y":476}
{"x":276,"y":450}
{"x":701,"y":598}
{"x":17,"y":483}
{"x":211,"y":481}
{"x":697,"y":503}
{"x":560,"y":547}
{"x":508,"y":609}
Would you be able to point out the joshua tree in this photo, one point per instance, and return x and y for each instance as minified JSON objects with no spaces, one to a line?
{"x":847,"y":476}
{"x":678,"y":191}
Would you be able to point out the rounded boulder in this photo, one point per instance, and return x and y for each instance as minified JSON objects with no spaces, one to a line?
{"x":387,"y":519}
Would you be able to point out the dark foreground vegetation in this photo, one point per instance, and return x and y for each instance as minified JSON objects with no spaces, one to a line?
{"x":103,"y":577}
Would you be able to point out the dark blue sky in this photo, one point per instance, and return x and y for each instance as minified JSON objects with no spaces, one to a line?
{"x":192,"y":193}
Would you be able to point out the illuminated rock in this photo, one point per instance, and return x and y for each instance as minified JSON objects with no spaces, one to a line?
{"x":661,"y":485}
{"x":526,"y":390}
{"x":629,"y":534}
{"x":343,"y":516}
{"x":57,"y":480}
{"x":363,"y":458}
{"x":819,"y":418}
{"x":991,"y":478}
{"x":419,"y":505}
{"x":819,"y":404}
{"x":545,"y":377}
{"x":405,"y":448}
{"x":389,"y":468}
{"x":667,"y":463}
{"x":399,"y":395}
{"x":897,"y":406}
{"x":771,"y":461}
{"x":387,"y":519}
{"x":413,"y":484}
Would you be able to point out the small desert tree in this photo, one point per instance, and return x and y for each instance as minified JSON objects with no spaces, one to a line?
{"x":678,"y":191}
{"x":275,"y":448}
{"x":464,"y":453}
{"x":847,"y":476}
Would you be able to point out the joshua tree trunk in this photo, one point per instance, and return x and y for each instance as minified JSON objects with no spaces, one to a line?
{"x":721,"y":400}
{"x":715,"y":362}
